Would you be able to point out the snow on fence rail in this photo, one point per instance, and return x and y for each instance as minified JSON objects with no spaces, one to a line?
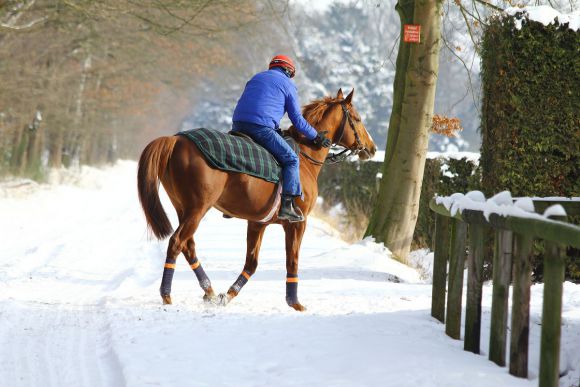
{"x":515,"y":225}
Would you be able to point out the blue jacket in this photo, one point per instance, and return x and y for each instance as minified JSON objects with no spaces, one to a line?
{"x":267,"y":96}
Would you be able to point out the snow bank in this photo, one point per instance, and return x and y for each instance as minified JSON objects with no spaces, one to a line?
{"x":544,"y":14}
{"x":471,"y":156}
{"x":79,"y":304}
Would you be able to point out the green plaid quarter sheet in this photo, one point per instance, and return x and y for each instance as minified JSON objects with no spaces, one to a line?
{"x":235,"y":154}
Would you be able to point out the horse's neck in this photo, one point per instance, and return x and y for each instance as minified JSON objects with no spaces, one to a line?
{"x":317,"y":154}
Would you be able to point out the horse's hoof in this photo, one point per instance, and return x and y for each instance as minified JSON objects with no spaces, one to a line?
{"x":209,"y":295}
{"x":223,"y":299}
{"x":166,"y":299}
{"x":210,"y":298}
{"x":299,"y":307}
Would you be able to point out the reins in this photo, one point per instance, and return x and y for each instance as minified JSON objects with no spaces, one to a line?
{"x":338,"y":157}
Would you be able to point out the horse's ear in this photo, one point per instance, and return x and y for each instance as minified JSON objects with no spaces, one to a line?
{"x":348,"y":98}
{"x":339,"y":94}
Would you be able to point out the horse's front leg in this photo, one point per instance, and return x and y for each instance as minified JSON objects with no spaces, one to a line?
{"x":254,"y":241}
{"x":294,"y":234}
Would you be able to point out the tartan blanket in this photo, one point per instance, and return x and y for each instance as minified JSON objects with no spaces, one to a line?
{"x":235,"y":154}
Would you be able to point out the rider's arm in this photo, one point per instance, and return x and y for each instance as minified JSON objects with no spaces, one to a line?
{"x":293,"y":109}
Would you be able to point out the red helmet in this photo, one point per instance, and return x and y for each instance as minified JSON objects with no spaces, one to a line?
{"x":284,"y":62}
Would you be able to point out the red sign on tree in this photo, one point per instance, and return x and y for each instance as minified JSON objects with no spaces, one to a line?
{"x":412,"y":33}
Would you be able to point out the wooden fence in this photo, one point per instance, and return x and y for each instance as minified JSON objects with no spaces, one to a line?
{"x":513,"y":247}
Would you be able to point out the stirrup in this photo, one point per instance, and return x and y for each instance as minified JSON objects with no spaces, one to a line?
{"x":291,"y":218}
{"x":291,"y":213}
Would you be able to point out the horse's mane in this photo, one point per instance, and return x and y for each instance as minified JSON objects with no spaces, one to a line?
{"x":314,"y":113}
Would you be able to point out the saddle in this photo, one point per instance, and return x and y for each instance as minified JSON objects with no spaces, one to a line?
{"x":237,"y":152}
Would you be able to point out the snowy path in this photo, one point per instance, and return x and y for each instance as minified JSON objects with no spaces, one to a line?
{"x":79,"y":305}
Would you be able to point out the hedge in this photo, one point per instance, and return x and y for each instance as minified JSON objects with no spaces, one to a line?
{"x":354,"y":185}
{"x":530,"y":122}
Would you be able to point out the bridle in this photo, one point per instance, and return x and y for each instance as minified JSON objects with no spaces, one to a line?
{"x":338,"y":157}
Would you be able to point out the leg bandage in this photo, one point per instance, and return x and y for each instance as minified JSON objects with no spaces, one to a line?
{"x":203,"y":279}
{"x":292,"y":289}
{"x":168,"y":271}
{"x":240,"y":282}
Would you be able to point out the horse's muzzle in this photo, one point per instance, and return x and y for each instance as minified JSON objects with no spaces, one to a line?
{"x":367,"y":154}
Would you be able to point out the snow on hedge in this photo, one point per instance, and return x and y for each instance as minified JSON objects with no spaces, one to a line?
{"x":546,"y":15}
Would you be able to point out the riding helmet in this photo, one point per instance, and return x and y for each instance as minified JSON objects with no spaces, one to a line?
{"x":284,"y":62}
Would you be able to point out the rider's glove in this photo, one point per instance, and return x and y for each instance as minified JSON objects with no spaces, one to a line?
{"x":322,"y":140}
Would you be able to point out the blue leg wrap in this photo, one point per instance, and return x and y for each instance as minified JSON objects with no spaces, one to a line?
{"x":292,"y":289}
{"x":240,"y":282}
{"x":165,"y":288}
{"x":203,"y":279}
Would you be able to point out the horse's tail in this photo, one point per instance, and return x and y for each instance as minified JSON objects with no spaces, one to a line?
{"x":152,"y":165}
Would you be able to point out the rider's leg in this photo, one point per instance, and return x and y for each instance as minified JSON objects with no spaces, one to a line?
{"x":288,"y":159}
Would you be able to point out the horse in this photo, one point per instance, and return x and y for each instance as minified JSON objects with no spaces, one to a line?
{"x":193,"y":187}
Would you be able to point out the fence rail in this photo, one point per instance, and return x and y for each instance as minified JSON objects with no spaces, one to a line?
{"x":513,"y":248}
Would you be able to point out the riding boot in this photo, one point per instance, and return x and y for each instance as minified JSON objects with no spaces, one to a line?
{"x":289,"y":211}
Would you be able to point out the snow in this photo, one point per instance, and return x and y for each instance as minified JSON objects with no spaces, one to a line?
{"x":546,"y":15}
{"x":555,"y":210}
{"x":470,"y":156}
{"x":525,"y":203}
{"x":501,"y":204}
{"x":79,"y":304}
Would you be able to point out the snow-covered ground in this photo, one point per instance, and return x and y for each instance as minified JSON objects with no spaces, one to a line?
{"x":79,"y":304}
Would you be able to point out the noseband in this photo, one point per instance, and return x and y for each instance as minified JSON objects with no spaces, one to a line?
{"x":338,"y":157}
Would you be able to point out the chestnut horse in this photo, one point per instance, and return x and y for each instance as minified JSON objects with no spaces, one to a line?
{"x":193,"y":187}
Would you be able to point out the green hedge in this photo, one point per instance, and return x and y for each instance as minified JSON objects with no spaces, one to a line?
{"x":354,"y":185}
{"x":530,"y":122}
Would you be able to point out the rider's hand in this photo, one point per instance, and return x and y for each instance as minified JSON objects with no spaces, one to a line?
{"x":322,"y":140}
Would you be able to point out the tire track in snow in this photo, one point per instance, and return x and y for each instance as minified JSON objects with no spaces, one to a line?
{"x":57,"y":346}
{"x":109,"y":365}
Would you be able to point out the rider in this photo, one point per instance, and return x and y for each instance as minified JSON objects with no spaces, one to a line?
{"x":266,"y":98}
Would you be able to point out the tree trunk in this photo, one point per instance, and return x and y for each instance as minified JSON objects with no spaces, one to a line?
{"x":55,"y":151}
{"x":395,"y":213}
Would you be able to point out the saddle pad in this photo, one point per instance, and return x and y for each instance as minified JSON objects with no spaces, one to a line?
{"x":235,"y":153}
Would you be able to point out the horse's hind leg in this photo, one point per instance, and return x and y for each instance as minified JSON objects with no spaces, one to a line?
{"x":177,"y":244}
{"x":169,"y":268}
{"x":204,"y":282}
{"x":294,"y":234}
{"x":254,"y":241}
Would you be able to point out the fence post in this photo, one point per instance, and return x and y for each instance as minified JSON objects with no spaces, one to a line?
{"x":551,"y":315}
{"x":474,"y":285}
{"x":456,"y":268}
{"x":502,"y":263}
{"x":520,"y":328}
{"x":440,"y":267}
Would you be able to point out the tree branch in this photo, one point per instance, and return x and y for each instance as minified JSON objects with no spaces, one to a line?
{"x":464,"y":14}
{"x":468,"y":72}
{"x":24,"y":26}
{"x":485,"y":3}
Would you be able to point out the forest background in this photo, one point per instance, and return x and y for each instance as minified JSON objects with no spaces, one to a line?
{"x":88,"y":82}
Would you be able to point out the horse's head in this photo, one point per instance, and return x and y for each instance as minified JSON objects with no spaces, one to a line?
{"x":339,"y":117}
{"x":351,"y":132}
